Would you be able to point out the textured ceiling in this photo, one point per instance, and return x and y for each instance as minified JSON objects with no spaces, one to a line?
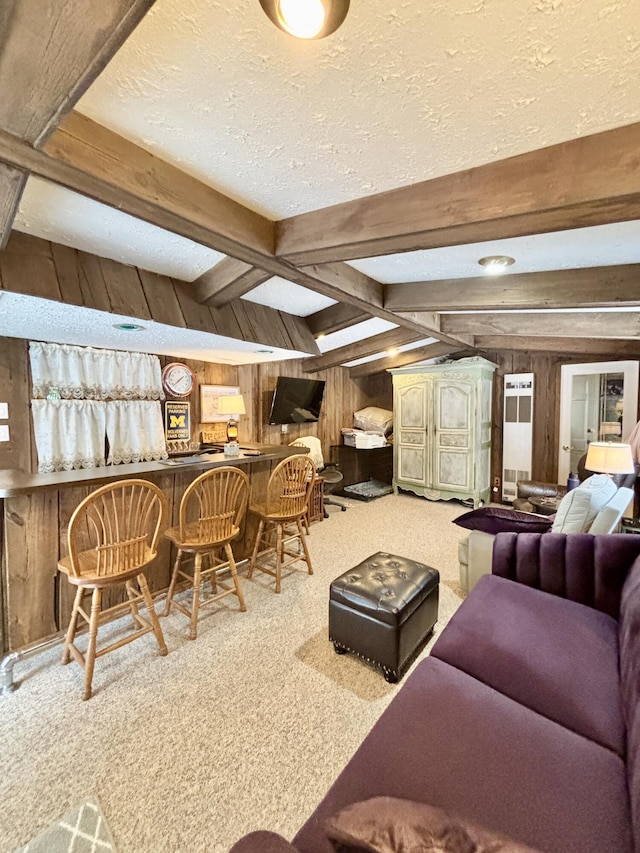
{"x":602,"y":245}
{"x":43,"y":320}
{"x":400,"y":93}
{"x":54,"y":213}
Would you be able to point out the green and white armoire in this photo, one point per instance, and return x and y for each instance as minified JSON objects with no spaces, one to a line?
{"x":442,"y":429}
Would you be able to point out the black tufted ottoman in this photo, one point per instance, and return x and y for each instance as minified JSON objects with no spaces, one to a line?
{"x":383,"y":610}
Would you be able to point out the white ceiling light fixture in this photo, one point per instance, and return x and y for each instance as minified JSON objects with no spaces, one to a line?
{"x":496,"y":264}
{"x":128,"y":327}
{"x":306,"y":19}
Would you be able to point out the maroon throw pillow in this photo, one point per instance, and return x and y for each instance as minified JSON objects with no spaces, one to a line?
{"x":502,"y":519}
{"x":389,"y":825}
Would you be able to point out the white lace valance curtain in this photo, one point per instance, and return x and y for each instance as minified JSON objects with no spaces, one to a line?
{"x":135,"y":431}
{"x":69,"y":434}
{"x":94,"y":374}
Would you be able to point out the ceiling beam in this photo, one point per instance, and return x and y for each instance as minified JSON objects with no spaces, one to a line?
{"x":335,"y":318}
{"x":51,"y":53}
{"x":87,"y":158}
{"x":73,"y":41}
{"x":402,"y":359}
{"x":605,"y":324}
{"x":12,"y":183}
{"x":361,"y":349}
{"x":597,"y":287}
{"x":36,"y":267}
{"x":574,"y":346}
{"x":228,"y":280}
{"x":586,"y":181}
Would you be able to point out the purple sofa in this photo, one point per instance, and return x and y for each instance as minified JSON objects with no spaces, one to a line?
{"x":526,"y":716}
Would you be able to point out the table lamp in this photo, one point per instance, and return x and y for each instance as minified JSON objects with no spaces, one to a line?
{"x":232,"y":405}
{"x":609,"y":457}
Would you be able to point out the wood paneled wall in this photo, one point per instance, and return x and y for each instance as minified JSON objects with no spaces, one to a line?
{"x":546,"y":405}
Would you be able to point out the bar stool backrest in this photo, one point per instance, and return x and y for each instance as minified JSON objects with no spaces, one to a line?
{"x":118,"y":525}
{"x":289,"y":487}
{"x":213,"y":505}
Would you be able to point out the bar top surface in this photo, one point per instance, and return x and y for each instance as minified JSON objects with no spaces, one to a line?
{"x":14,"y":481}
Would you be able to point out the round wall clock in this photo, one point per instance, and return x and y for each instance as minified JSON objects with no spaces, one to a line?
{"x":177,"y":379}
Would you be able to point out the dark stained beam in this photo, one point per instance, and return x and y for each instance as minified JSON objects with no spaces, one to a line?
{"x":402,"y":359}
{"x":228,"y":280}
{"x":361,"y":349}
{"x":574,"y":346}
{"x":91,"y":160}
{"x":50,"y":53}
{"x":12,"y":183}
{"x":597,"y":287}
{"x":335,"y":318}
{"x":587,"y":181}
{"x":605,"y":324}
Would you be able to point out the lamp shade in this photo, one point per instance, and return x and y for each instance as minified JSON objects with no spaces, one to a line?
{"x":608,"y":457}
{"x":232,"y":404}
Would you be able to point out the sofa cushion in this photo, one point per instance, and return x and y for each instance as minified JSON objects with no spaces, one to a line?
{"x":556,"y":657}
{"x":630,"y":682}
{"x":389,"y":825}
{"x":451,"y":741}
{"x":496,"y":519}
{"x":579,"y":507}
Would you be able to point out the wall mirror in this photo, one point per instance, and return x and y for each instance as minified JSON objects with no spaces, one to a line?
{"x":598,"y":402}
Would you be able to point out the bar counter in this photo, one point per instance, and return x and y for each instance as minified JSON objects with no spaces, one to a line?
{"x":35,"y":512}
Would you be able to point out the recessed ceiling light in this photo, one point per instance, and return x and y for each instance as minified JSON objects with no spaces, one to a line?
{"x":306,"y":19}
{"x":392,"y":351}
{"x":264,"y":351}
{"x":128,"y":327}
{"x":496,"y":264}
{"x":321,"y":336}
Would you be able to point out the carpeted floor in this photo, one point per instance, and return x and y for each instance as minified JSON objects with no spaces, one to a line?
{"x":244,"y":728}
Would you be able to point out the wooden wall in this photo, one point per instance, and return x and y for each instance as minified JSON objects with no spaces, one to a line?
{"x":546,"y":405}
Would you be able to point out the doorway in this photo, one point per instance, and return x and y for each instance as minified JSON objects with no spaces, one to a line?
{"x":598,"y":402}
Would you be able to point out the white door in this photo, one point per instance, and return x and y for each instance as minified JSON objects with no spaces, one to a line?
{"x":572,"y":408}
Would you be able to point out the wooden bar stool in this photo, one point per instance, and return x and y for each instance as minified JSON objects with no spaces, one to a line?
{"x":120,"y":523}
{"x":211,"y":511}
{"x":288,"y":494}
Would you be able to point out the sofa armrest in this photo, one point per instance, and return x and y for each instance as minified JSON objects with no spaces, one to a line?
{"x":263,"y":842}
{"x":581,"y":567}
{"x":538,"y":489}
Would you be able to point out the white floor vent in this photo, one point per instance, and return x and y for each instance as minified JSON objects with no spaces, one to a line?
{"x":517,"y":432}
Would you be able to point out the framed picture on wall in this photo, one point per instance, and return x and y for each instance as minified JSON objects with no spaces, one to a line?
{"x":209,"y":396}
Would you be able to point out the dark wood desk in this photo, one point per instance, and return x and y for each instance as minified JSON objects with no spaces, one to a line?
{"x":361,"y":465}
{"x":34,"y":514}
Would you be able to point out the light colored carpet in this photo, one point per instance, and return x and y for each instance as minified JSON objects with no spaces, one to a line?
{"x":245,"y":728}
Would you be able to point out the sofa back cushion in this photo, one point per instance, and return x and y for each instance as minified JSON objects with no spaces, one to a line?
{"x":606,"y":521}
{"x":579,"y":507}
{"x":630,"y":684}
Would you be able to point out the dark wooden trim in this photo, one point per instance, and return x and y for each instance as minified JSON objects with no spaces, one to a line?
{"x":228,"y":280}
{"x":603,"y":287}
{"x":574,"y":346}
{"x":587,"y":181}
{"x":606,"y":324}
{"x":335,"y":318}
{"x":360,"y":349}
{"x":12,"y":183}
{"x":402,"y":359}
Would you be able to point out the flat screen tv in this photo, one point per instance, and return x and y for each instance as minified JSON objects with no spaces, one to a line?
{"x":296,"y":401}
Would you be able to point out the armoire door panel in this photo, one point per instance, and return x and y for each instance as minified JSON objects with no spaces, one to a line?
{"x":411,"y":464}
{"x":453,"y":470}
{"x":413,"y":407}
{"x":454,"y":405}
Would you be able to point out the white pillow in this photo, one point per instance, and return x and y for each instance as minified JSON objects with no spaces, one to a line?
{"x":374,"y":419}
{"x":579,"y":507}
